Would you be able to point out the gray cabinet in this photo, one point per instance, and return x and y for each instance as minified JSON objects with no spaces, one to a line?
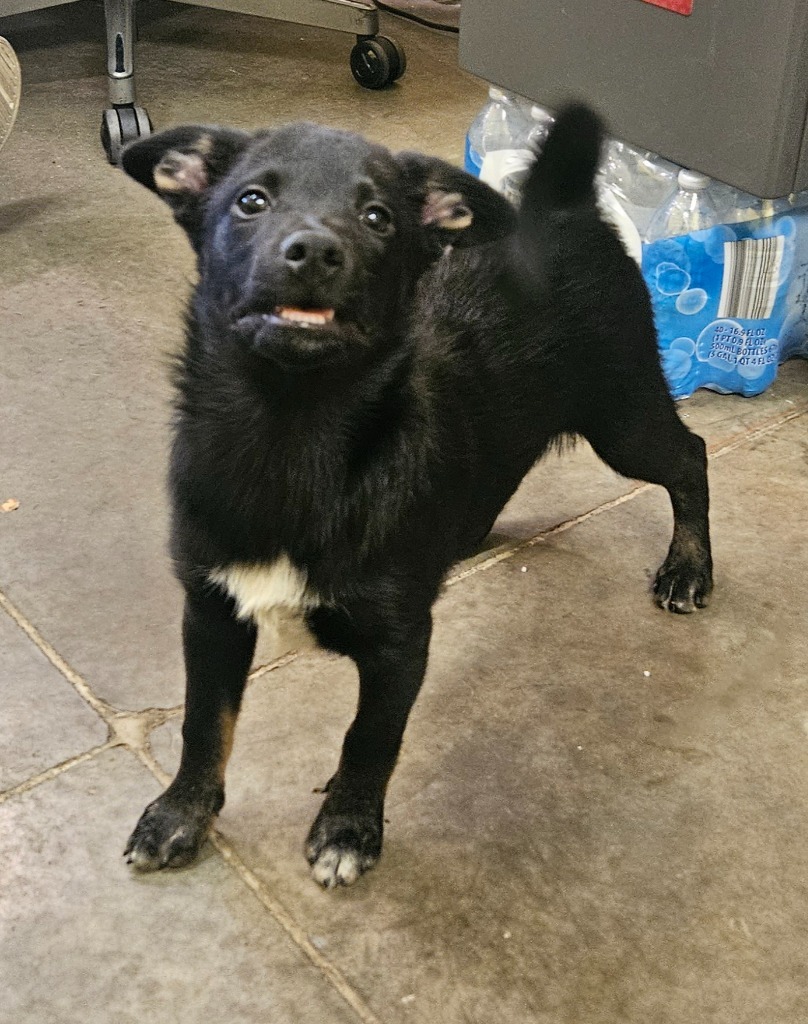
{"x":723,"y":90}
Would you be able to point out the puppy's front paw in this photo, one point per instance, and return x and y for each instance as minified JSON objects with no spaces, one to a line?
{"x":341,"y":847}
{"x":169,"y":834}
{"x":682,"y":584}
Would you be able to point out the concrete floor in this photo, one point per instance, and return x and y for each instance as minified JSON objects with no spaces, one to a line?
{"x":599,"y":812}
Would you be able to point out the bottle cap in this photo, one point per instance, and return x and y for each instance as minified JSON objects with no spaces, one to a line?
{"x":497,"y":94}
{"x":693,"y":180}
{"x":538,"y":113}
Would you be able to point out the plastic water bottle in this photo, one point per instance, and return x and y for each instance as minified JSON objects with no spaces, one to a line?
{"x":689,"y":209}
{"x":737,"y":207}
{"x":541,"y":120}
{"x":643,"y":178}
{"x":496,"y":141}
{"x":734,"y":206}
{"x":631,"y":185}
{"x":793,"y":201}
{"x":640,"y":181}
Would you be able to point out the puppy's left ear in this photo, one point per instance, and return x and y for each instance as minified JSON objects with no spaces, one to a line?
{"x":182,"y":164}
{"x":458,"y":208}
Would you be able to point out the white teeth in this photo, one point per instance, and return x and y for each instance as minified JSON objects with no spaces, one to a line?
{"x":306,"y":317}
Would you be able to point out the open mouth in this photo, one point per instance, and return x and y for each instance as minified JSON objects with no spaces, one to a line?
{"x":296,"y":337}
{"x":287,"y":316}
{"x":301,"y":317}
{"x":314,"y":320}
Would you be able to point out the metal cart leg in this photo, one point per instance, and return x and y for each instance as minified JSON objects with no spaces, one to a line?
{"x":123,"y":121}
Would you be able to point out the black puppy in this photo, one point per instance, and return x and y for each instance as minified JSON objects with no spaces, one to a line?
{"x":378,"y":349}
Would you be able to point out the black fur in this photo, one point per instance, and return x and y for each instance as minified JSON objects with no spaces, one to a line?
{"x":375,"y":450}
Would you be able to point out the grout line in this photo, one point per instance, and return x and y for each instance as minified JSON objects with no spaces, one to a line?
{"x":293,"y":930}
{"x":509,"y":551}
{"x":276,"y":910}
{"x":739,"y":440}
{"x":567,"y":524}
{"x":142,"y":751}
{"x":127,"y":729}
{"x":144,"y":755}
{"x":263,"y":670}
{"x":55,"y":771}
{"x":100,"y":707}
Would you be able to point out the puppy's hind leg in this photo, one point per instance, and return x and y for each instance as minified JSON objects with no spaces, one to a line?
{"x":218,"y":650}
{"x":642,"y":437}
{"x":346,"y":837}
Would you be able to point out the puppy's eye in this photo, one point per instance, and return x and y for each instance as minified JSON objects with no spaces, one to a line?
{"x":377,"y":217}
{"x":251,"y":202}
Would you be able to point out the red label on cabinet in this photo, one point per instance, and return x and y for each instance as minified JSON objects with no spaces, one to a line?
{"x":679,"y":6}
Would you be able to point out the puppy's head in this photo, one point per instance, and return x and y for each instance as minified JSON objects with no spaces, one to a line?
{"x":310,"y":241}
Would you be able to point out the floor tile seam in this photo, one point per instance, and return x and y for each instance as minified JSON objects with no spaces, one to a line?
{"x":272,"y":666}
{"x":151,"y":719}
{"x":147,"y":758}
{"x":510,"y":551}
{"x":115,"y":719}
{"x":507,"y":551}
{"x":104,"y":710}
{"x":294,"y":931}
{"x":747,"y":437}
{"x":56,"y":770}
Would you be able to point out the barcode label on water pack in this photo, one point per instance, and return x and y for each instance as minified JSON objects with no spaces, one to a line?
{"x":751,"y":277}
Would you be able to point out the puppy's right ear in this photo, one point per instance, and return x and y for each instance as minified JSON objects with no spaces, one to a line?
{"x":182,"y":164}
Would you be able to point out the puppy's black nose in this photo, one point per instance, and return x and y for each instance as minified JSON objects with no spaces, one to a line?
{"x":315,"y":252}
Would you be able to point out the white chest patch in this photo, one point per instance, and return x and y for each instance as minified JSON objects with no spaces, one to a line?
{"x":259,"y":590}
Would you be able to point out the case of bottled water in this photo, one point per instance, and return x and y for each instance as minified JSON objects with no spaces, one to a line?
{"x":727,"y":272}
{"x":497,"y":142}
{"x":730,"y":302}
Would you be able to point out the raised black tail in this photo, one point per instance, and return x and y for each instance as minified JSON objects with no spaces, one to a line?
{"x":561,"y":179}
{"x":564,"y":174}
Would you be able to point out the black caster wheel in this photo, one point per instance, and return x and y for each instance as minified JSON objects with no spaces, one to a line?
{"x":120,"y":125}
{"x":377,"y":61}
